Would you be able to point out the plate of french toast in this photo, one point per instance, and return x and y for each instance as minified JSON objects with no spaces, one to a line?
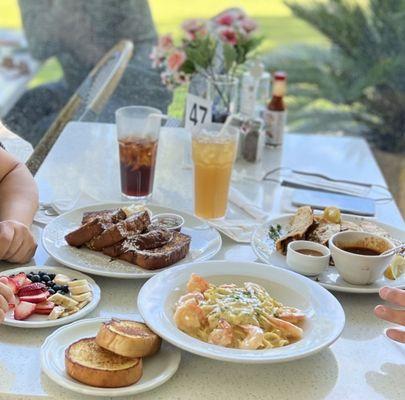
{"x":126,"y":240}
{"x":108,"y":357}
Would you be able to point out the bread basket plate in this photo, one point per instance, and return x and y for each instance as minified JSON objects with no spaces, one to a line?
{"x":205,"y":243}
{"x":324,"y":323}
{"x":156,"y":369}
{"x":264,"y":247}
{"x":42,"y":321}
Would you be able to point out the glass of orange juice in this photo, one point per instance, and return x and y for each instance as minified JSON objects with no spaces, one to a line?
{"x":213,"y":153}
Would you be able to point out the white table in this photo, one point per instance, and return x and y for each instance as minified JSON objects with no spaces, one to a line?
{"x":361,"y":364}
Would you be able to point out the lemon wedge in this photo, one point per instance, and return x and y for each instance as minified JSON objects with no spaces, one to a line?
{"x":332,"y":215}
{"x":396,"y":269}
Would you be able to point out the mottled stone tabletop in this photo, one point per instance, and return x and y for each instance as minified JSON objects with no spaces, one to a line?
{"x":361,"y":364}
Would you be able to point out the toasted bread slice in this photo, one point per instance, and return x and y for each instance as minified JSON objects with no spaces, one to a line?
{"x":113,"y":216}
{"x":128,"y":338}
{"x":86,"y":232}
{"x":156,"y":258}
{"x":89,"y":363}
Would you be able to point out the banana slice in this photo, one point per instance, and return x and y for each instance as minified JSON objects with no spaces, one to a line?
{"x":56,"y":312}
{"x":63,"y":301}
{"x":71,"y":311}
{"x":82,"y":297}
{"x":79,"y":289}
{"x":80,"y":282}
{"x":83,"y":303}
{"x":61,"y":279}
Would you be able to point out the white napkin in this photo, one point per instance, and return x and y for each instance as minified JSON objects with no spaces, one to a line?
{"x":48,"y":211}
{"x":238,"y":198}
{"x":239,"y":230}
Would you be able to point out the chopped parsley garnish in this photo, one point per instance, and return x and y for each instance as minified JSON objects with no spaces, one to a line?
{"x":274,"y":232}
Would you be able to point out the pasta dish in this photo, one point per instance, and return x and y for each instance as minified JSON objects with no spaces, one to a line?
{"x":243,"y":317}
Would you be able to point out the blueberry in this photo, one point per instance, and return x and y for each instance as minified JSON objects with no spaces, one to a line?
{"x":50,"y":284}
{"x":52,"y":276}
{"x":56,"y":288}
{"x":51,"y":291}
{"x":29,"y":276}
{"x":35,"y":278}
{"x":45,"y":278}
{"x":65,"y":289}
{"x":61,"y":292}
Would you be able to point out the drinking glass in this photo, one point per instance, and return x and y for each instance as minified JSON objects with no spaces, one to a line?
{"x":138,"y":134}
{"x":213,"y":154}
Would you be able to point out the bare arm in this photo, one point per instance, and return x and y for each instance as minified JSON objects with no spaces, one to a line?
{"x":18,"y":192}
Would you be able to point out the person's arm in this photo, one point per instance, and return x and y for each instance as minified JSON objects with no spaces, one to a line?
{"x":18,"y":204}
{"x":397,"y":316}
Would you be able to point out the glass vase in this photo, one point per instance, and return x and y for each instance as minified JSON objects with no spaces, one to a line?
{"x":222,"y":90}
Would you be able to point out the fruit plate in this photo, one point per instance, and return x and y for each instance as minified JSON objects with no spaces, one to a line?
{"x":156,"y":369}
{"x":324,"y":323}
{"x":205,"y":243}
{"x":41,"y":321}
{"x":264,"y":248}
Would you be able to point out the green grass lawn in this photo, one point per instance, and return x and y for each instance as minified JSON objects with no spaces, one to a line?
{"x":277,"y":25}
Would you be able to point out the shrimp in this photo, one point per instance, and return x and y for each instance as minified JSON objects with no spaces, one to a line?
{"x":197,"y":283}
{"x":254,"y":338}
{"x":189,"y":316}
{"x":288,"y":329}
{"x":222,"y":335}
{"x":192,"y":297}
{"x":291,"y":314}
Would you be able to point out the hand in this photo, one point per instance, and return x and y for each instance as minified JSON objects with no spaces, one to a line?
{"x":396,"y":297}
{"x":17,"y":244}
{"x":6,"y":297}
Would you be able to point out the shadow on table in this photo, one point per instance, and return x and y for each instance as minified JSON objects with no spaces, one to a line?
{"x":361,"y":323}
{"x":389,"y":381}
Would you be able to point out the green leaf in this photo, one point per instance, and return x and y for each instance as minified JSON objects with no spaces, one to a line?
{"x":230,"y":56}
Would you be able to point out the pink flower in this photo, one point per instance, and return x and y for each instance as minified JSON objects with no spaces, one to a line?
{"x":157,"y":57}
{"x":248,"y":24}
{"x":194,"y":27}
{"x":225,"y":19}
{"x":228,"y":35}
{"x":165,"y":42}
{"x":176,"y":60}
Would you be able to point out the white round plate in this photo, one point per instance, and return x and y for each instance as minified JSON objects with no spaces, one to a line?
{"x":156,"y":370}
{"x":264,"y":248}
{"x":205,"y":243}
{"x":325,"y":316}
{"x":42,"y":321}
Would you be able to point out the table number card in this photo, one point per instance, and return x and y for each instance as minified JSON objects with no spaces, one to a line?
{"x":198,"y":112}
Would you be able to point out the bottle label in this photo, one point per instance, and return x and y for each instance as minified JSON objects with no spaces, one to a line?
{"x":274,"y":125}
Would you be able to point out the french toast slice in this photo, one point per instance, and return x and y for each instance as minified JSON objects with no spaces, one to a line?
{"x":128,"y":338}
{"x":86,"y":232}
{"x":134,"y":224}
{"x":89,"y":363}
{"x":156,"y":258}
{"x":114,"y":215}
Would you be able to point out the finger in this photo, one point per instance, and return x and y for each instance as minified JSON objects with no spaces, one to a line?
{"x":2,"y":315}
{"x":7,"y":293}
{"x":393,"y":295}
{"x":396,"y":334}
{"x":6,"y":238}
{"x":16,"y":244}
{"x":3,"y":304}
{"x":24,"y":254}
{"x":389,"y":314}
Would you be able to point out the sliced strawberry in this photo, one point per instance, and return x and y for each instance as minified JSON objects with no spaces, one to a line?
{"x":19,"y":279}
{"x":38,"y":298}
{"x":10,"y":283}
{"x":24,"y":310}
{"x":44,"y":308}
{"x":27,"y":282}
{"x":32,"y":289}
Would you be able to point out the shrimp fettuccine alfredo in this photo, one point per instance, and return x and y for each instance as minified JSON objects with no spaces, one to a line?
{"x":242,"y":317}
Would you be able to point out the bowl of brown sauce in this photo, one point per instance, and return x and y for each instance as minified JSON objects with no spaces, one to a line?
{"x":358,"y":256}
{"x":307,"y":258}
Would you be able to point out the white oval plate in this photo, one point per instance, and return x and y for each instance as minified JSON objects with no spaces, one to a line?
{"x":205,"y":243}
{"x":264,"y":248}
{"x":41,"y":321}
{"x":156,"y":370}
{"x":325,"y":322}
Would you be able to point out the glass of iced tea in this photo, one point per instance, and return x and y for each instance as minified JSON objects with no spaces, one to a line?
{"x":213,"y":154}
{"x":138,"y":134}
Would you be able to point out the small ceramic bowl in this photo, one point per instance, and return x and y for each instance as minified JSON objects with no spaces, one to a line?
{"x":360,"y":269}
{"x":172,"y":222}
{"x":306,"y":264}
